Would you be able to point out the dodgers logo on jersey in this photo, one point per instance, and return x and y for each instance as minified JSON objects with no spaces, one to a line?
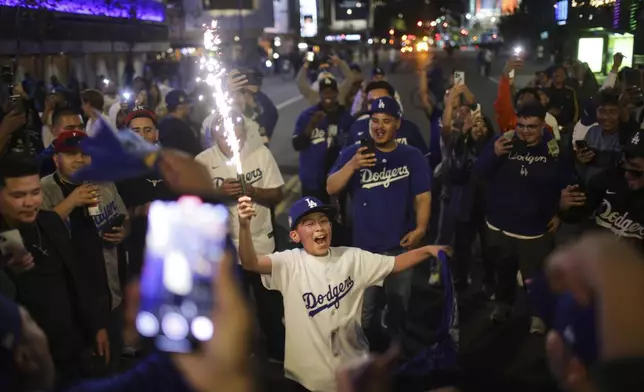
{"x":317,"y":303}
{"x":106,"y":213}
{"x":527,"y":158}
{"x":383,"y":178}
{"x":251,"y":177}
{"x":620,"y":224}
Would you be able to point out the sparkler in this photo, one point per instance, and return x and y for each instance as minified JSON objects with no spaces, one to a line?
{"x":215,"y":75}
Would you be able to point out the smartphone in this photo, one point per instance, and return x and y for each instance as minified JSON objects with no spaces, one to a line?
{"x":581,"y":144}
{"x":253,"y":78}
{"x":370,"y":144}
{"x":310,"y":56}
{"x":10,"y":241}
{"x":116,"y":221}
{"x":459,"y":77}
{"x":185,"y":243}
{"x":519,"y":145}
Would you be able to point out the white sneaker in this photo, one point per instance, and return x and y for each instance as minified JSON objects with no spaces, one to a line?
{"x":537,"y":327}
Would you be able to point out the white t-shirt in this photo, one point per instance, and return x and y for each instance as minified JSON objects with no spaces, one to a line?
{"x":261,"y":171}
{"x":323,"y":299}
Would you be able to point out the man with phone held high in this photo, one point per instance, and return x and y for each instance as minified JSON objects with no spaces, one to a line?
{"x":323,"y":289}
{"x":318,"y":137}
{"x":614,"y":196}
{"x":390,"y":188}
{"x":312,"y":92}
{"x":601,"y":147}
{"x":524,"y":171}
{"x":53,"y":283}
{"x":263,"y":182}
{"x":97,"y":221}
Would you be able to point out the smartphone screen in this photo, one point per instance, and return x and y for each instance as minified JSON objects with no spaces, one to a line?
{"x":310,"y":57}
{"x":581,"y":144}
{"x":184,"y":245}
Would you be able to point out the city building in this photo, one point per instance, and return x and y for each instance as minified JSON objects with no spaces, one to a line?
{"x":597,"y":29}
{"x":81,"y":39}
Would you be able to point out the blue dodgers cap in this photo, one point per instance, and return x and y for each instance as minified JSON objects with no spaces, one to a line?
{"x":386,"y":105}
{"x":305,"y":206}
{"x":175,"y":98}
{"x":378,"y":72}
{"x":10,"y":328}
{"x":576,"y":325}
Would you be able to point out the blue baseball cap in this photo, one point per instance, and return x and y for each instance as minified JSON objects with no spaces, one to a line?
{"x":386,"y":105}
{"x":305,"y":206}
{"x":576,"y":325}
{"x":175,"y":98}
{"x":378,"y":71}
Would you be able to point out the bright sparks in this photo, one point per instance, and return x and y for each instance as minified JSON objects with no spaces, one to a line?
{"x":215,"y":77}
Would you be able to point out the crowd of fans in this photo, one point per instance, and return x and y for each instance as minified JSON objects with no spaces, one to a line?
{"x":568,"y":157}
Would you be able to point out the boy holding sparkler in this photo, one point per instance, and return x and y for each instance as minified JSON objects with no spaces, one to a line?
{"x":323,"y":289}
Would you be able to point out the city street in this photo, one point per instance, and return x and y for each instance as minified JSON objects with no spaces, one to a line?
{"x":493,"y":357}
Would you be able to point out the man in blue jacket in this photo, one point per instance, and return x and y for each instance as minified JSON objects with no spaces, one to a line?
{"x":318,"y":137}
{"x":525,"y":174}
{"x":408,"y":133}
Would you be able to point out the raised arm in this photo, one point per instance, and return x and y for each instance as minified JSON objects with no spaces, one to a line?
{"x":250,"y":261}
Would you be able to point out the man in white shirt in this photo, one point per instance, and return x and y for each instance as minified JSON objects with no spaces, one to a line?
{"x":263,"y":181}
{"x":323,"y":290}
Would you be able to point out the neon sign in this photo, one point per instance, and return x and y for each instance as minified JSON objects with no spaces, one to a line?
{"x":147,"y":10}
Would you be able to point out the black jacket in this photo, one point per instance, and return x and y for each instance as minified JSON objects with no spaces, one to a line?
{"x":613,"y":206}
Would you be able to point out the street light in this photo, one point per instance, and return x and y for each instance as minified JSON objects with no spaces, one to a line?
{"x":391,"y":32}
{"x":468,"y":16}
{"x":349,"y":11}
{"x":419,"y":24}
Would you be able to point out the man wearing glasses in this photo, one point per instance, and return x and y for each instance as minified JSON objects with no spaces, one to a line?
{"x":524,"y":173}
{"x":615,"y":197}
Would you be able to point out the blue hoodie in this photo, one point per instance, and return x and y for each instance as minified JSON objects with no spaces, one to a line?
{"x":407,"y":134}
{"x":269,"y":115}
{"x":318,"y":153}
{"x":523,"y":189}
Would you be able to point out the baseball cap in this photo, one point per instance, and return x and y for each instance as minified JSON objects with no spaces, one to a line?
{"x":386,"y":105}
{"x":328,"y":83}
{"x":576,"y":325}
{"x":635,"y":146}
{"x":305,"y":206}
{"x":141,"y":112}
{"x":378,"y":72}
{"x":175,"y":98}
{"x":10,"y":330}
{"x":68,"y":141}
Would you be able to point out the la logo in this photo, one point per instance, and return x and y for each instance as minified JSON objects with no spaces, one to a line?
{"x":381,"y":104}
{"x":636,"y":139}
{"x":311,"y":203}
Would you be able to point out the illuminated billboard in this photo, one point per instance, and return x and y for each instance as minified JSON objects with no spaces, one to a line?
{"x":308,"y":18}
{"x":561,"y":12}
{"x":148,"y":10}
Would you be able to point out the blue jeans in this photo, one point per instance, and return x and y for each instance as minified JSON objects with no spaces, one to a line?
{"x":397,"y":290}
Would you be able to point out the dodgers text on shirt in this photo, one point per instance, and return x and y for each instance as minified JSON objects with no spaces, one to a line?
{"x":317,"y":303}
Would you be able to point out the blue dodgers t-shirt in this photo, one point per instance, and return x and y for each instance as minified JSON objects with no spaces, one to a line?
{"x":314,"y":159}
{"x":383,"y":196}
{"x":407,"y":134}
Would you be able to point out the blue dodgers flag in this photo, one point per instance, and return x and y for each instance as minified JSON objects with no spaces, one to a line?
{"x":442,"y":354}
{"x":116,"y":155}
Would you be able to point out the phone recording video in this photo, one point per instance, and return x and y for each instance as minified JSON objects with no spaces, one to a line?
{"x":519,"y":146}
{"x":186,"y":241}
{"x":310,"y":56}
{"x":370,"y":144}
{"x":581,"y":144}
{"x":459,"y":77}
